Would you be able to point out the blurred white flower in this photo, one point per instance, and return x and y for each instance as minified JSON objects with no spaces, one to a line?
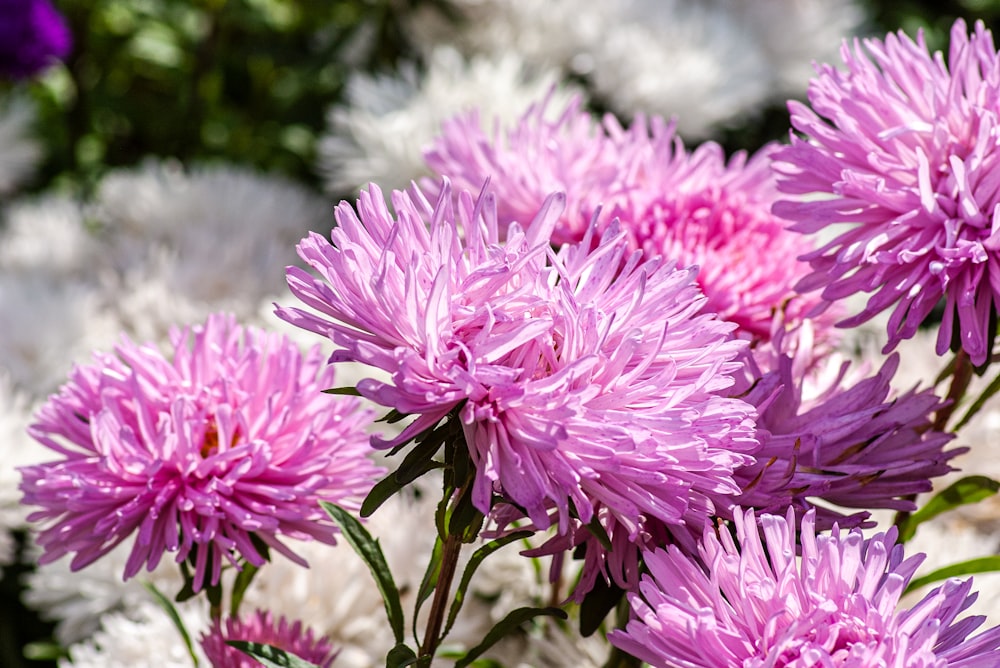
{"x":78,"y":600}
{"x":388,"y":121}
{"x":142,"y":638}
{"x":20,"y":152}
{"x":47,"y":235}
{"x":47,"y":325}
{"x":212,"y":238}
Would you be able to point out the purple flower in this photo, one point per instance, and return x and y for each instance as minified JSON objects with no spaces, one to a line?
{"x":693,"y":208}
{"x":590,"y":386}
{"x":829,"y":433}
{"x":262,"y":628}
{"x":903,"y":149}
{"x":32,"y":36}
{"x":228,"y":444}
{"x":758,"y":605}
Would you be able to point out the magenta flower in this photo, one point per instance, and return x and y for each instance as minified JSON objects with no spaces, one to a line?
{"x":228,"y":442}
{"x":693,"y":208}
{"x":903,"y":149}
{"x":262,"y":628}
{"x":758,"y":605}
{"x":33,"y":35}
{"x":589,"y":384}
{"x":828,"y":433}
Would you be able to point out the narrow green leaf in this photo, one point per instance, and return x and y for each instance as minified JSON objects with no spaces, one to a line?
{"x":44,"y":651}
{"x":400,"y":656}
{"x":392,"y":417}
{"x":596,"y":605}
{"x":175,"y":617}
{"x":470,"y":569}
{"x":466,"y":520}
{"x":368,"y":549}
{"x":347,"y":391}
{"x":388,"y":487}
{"x":971,"y":489}
{"x":970,"y":567}
{"x":240,"y":585}
{"x":505,"y":626}
{"x":269,"y":655}
{"x":981,"y":400}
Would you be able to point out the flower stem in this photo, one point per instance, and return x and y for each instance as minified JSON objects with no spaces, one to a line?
{"x":449,"y":564}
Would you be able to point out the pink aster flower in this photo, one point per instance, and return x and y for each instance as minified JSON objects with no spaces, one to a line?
{"x":226,"y":444}
{"x":262,"y":628}
{"x":904,"y":149}
{"x":694,"y":208}
{"x":827,"y":432}
{"x":590,"y":385}
{"x":757,"y":605}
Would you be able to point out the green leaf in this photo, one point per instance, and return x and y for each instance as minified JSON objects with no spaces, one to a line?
{"x":504,"y":627}
{"x":990,"y":390}
{"x":466,"y":520}
{"x":175,"y":617}
{"x":346,"y":391}
{"x":596,"y":605}
{"x":269,"y":655}
{"x":962,"y":492}
{"x":240,"y":585}
{"x":970,"y":567}
{"x":389,"y":486}
{"x":400,"y":656}
{"x":392,"y":417}
{"x":368,"y":549}
{"x":470,"y":569}
{"x":44,"y":651}
{"x":429,"y":582}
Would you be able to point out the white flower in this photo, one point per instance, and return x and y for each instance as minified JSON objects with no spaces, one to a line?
{"x":16,"y":449}
{"x":78,"y":600}
{"x":48,"y":235}
{"x":795,"y":33}
{"x":143,"y":638}
{"x":19,"y":151}
{"x":388,"y":121}
{"x":185,"y":243}
{"x":47,"y":325}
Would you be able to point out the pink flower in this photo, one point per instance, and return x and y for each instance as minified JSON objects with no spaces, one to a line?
{"x":589,"y":384}
{"x":261,"y":628}
{"x":828,"y":433}
{"x":757,"y":605}
{"x":693,"y":208}
{"x":903,"y":149}
{"x":210,"y":454}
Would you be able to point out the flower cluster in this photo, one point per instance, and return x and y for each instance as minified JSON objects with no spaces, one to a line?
{"x":211,"y":454}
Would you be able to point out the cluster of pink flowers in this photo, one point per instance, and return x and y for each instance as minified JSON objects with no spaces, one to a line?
{"x":614,"y":323}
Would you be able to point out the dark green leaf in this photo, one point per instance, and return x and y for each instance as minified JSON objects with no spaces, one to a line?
{"x":504,"y":627}
{"x":392,"y":417}
{"x":400,"y":656}
{"x":466,"y":520}
{"x":389,"y":486}
{"x":470,"y":569}
{"x":970,"y":567}
{"x":990,"y":390}
{"x":368,"y":549}
{"x":269,"y":655}
{"x":429,"y":582}
{"x":596,"y":605}
{"x":346,"y":391}
{"x":240,"y":585}
{"x":962,"y":492}
{"x":175,"y":617}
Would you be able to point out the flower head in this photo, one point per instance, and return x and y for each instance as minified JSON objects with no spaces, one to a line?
{"x":32,"y":36}
{"x":692,"y":207}
{"x":903,"y":148}
{"x":757,"y":604}
{"x":212,"y":453}
{"x":587,"y":382}
{"x":261,"y":627}
{"x":829,"y":433}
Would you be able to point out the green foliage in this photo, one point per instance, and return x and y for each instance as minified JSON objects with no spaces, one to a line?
{"x":270,"y":656}
{"x":971,"y":489}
